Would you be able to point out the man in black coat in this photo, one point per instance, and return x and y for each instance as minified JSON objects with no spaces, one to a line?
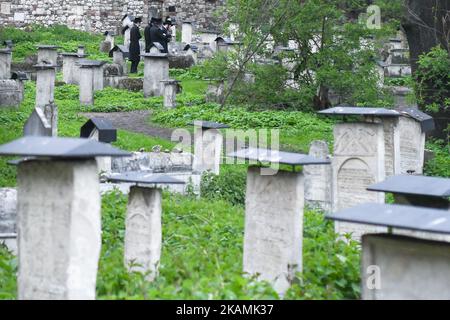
{"x":159,"y":34}
{"x":148,"y":36}
{"x":135,"y":48}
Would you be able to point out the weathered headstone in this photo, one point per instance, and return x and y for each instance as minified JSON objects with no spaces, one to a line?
{"x":208,"y":145}
{"x":86,"y":84}
{"x":412,"y":146}
{"x":119,"y":54}
{"x":143,"y":230}
{"x":5,"y":64}
{"x":70,"y":69}
{"x":170,"y":93}
{"x":58,"y":214}
{"x":186,"y":32}
{"x":8,"y":217}
{"x":47,"y":54}
{"x":318,"y":191}
{"x":358,"y":162}
{"x":274,"y":201}
{"x":11,"y":93}
{"x":156,"y":69}
{"x":395,"y":267}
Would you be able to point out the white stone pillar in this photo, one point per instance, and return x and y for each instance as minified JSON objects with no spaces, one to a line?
{"x":318,"y":179}
{"x":186,"y":32}
{"x":274,"y":226}
{"x":120,"y":60}
{"x":208,"y":145}
{"x":59,"y":229}
{"x":5,"y":64}
{"x":358,"y":162}
{"x":68,"y":69}
{"x":156,"y":68}
{"x":45,"y":85}
{"x":47,"y":54}
{"x":412,"y":146}
{"x":98,"y":78}
{"x":86,"y":85}
{"x":143,"y":233}
{"x":170,"y":93}
{"x":8,"y":218}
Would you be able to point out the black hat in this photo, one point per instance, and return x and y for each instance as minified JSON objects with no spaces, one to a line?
{"x":168,"y":21}
{"x":138,"y":20}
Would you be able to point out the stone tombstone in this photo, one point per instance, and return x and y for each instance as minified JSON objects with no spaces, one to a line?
{"x":47,"y":54}
{"x":8,"y":217}
{"x":59,"y":229}
{"x":412,"y":146}
{"x":391,"y":145}
{"x":186,"y":32}
{"x":358,"y":162}
{"x":98,"y":78}
{"x":70,"y":69}
{"x":273,"y":227}
{"x":86,"y":85}
{"x":208,"y":145}
{"x":119,"y":59}
{"x":5,"y":64}
{"x":411,"y":269}
{"x":143,"y":235}
{"x":11,"y":93}
{"x":42,"y":122}
{"x":45,"y":84}
{"x":156,"y":69}
{"x":318,"y":191}
{"x":170,"y":93}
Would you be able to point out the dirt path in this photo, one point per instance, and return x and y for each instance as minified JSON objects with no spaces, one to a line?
{"x":134,"y":121}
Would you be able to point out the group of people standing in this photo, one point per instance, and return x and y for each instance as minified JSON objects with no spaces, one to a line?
{"x":156,"y":31}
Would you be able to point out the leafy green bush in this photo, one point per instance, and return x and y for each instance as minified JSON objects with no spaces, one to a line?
{"x":440,"y":165}
{"x":228,"y":186}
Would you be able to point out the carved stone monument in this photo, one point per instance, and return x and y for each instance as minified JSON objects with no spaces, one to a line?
{"x":358,"y":162}
{"x":186,"y":32}
{"x":58,"y":214}
{"x":156,"y":69}
{"x":170,"y":93}
{"x":274,"y":200}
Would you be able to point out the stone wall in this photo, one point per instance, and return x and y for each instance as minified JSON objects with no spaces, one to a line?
{"x":102,"y":15}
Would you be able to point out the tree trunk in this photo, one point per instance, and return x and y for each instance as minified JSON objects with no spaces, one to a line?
{"x":427,"y":24}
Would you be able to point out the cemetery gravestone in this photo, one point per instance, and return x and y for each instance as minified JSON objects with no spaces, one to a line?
{"x":47,"y":54}
{"x":318,"y":189}
{"x":156,"y":69}
{"x":58,"y":216}
{"x":8,"y":216}
{"x":208,"y":145}
{"x":143,"y":230}
{"x":274,"y":203}
{"x":409,"y":268}
{"x":5,"y":64}
{"x":358,"y":162}
{"x":170,"y":93}
{"x":186,"y":32}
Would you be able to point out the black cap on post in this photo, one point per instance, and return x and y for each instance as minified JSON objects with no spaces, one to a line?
{"x":106,"y":131}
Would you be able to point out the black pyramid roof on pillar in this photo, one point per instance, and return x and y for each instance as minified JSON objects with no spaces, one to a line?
{"x":62,"y":148}
{"x":396,"y":216}
{"x":208,"y":124}
{"x":106,"y":131}
{"x":144,"y":178}
{"x":345,"y":110}
{"x":414,"y":185}
{"x":275,"y":156}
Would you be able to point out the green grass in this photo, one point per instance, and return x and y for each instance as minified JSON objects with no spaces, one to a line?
{"x":202,"y":257}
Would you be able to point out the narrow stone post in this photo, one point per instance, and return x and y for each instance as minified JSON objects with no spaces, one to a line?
{"x":47,"y":54}
{"x":143,"y":230}
{"x":59,"y":232}
{"x":156,"y":68}
{"x":81,"y":50}
{"x":208,"y":145}
{"x":399,"y":267}
{"x":8,"y":218}
{"x":119,"y":59}
{"x":274,"y":201}
{"x":170,"y":93}
{"x":45,"y":84}
{"x":5,"y":64}
{"x":186,"y":32}
{"x":86,"y":85}
{"x":68,"y":69}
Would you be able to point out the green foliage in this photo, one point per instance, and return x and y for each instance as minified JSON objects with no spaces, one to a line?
{"x":228,"y":186}
{"x":433,"y":80}
{"x":25,"y":40}
{"x":440,"y":164}
{"x":202,"y":257}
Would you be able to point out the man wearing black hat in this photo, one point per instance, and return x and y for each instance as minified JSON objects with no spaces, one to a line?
{"x":159,"y":34}
{"x":148,"y":36}
{"x":135,"y":48}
